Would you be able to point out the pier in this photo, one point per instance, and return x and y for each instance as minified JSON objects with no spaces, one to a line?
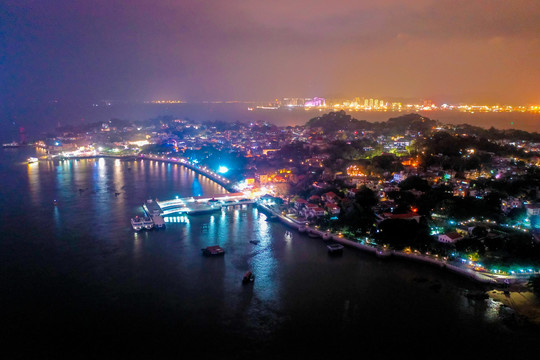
{"x":221,"y":180}
{"x":196,"y":204}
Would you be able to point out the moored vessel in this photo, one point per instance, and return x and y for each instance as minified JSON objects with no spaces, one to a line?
{"x":213,"y":250}
{"x":158,"y":221}
{"x":248,"y":277}
{"x":335,"y":248}
{"x":137,"y":223}
{"x":148,"y":223}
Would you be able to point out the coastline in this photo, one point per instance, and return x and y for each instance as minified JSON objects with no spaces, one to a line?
{"x":485,"y":278}
{"x":519,"y":298}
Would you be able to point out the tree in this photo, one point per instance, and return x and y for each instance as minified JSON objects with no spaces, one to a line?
{"x":534,"y":283}
{"x":366,"y":198}
{"x":414,"y":182}
{"x":479,"y":231}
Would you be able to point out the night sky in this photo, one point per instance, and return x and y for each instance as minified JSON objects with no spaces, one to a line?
{"x":445,"y":50}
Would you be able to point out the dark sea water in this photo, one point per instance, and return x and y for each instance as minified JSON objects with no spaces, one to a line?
{"x":75,"y":280}
{"x":38,"y":119}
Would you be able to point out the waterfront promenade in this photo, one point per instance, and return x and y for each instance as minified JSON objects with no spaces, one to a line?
{"x":203,"y":170}
{"x":459,"y":267}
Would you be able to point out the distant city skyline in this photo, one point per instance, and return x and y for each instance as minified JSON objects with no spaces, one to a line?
{"x":452,"y":51}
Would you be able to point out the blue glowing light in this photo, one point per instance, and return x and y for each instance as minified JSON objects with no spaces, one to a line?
{"x":223,"y":169}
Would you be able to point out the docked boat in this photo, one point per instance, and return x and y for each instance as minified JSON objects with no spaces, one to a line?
{"x":272,"y":218}
{"x":137,"y":223}
{"x":248,"y":277}
{"x":158,"y":221}
{"x":213,"y":250}
{"x":335,"y":248}
{"x":31,"y":160}
{"x":148,"y":223}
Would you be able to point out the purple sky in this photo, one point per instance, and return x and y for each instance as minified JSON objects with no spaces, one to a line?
{"x":446,"y":50}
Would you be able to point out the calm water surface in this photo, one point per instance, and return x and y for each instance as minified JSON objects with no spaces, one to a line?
{"x":75,"y":279}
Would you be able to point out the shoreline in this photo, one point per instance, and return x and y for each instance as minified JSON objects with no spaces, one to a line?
{"x":517,"y":297}
{"x":485,"y":278}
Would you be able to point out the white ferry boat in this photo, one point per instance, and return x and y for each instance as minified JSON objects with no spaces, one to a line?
{"x":31,"y":160}
{"x":148,"y":223}
{"x":137,"y":223}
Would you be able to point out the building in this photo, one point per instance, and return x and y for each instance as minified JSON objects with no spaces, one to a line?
{"x":449,"y":238}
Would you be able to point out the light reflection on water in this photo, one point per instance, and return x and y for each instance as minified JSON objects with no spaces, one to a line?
{"x":298,"y":289}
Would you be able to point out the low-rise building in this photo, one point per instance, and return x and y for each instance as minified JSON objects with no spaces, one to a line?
{"x":449,"y":238}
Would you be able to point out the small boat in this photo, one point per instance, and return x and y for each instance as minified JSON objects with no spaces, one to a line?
{"x":254,"y":242}
{"x":248,"y":277}
{"x":148,"y":223}
{"x":213,"y":250}
{"x":137,"y":223}
{"x":335,"y":248}
{"x":32,"y":160}
{"x":272,"y":218}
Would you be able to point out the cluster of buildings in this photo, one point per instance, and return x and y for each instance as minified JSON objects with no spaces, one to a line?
{"x":281,"y":160}
{"x":379,"y":104}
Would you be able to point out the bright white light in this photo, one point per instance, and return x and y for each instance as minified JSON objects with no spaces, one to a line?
{"x":223,"y":169}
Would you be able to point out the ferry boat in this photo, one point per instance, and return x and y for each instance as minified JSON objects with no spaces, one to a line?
{"x":248,"y":277}
{"x":137,"y":223}
{"x":213,"y":251}
{"x":11,"y":145}
{"x":334,"y":248}
{"x":148,"y":223}
{"x":31,"y":160}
